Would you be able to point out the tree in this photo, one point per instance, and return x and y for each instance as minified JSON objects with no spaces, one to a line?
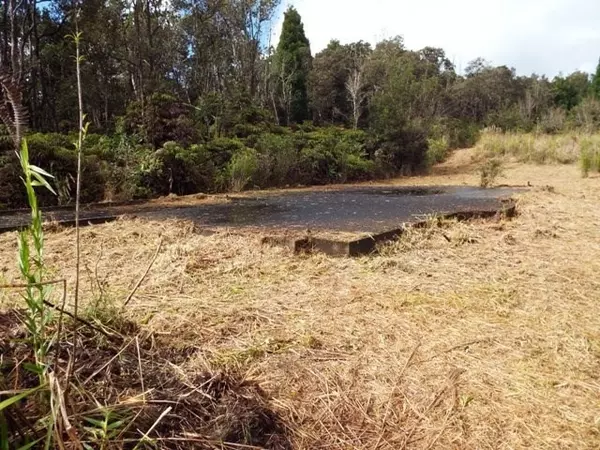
{"x":569,"y":91}
{"x":407,"y":86}
{"x":338,"y":86}
{"x":356,"y":84}
{"x":536,"y":99}
{"x":485,"y":91}
{"x":595,"y":87}
{"x":327,"y":82}
{"x":293,"y":62}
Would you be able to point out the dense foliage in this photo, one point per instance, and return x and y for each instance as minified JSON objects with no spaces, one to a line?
{"x":186,"y":96}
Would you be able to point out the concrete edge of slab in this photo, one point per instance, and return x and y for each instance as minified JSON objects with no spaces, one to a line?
{"x":332,"y":247}
{"x":368,"y":245}
{"x":65,"y":223}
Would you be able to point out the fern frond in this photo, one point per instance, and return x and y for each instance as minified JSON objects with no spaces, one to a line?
{"x":12,"y":112}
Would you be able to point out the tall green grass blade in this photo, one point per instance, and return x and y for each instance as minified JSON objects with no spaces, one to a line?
{"x":30,"y":445}
{"x":17,"y":398}
{"x":3,"y":432}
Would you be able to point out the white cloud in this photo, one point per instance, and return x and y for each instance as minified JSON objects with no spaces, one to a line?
{"x":541,"y":36}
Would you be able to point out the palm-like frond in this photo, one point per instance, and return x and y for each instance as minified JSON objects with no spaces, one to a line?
{"x":12,"y":112}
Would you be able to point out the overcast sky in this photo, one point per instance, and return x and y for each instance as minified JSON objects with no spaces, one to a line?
{"x":541,"y":36}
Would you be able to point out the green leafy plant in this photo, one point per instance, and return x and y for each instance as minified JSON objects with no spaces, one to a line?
{"x":31,"y":263}
{"x":437,"y":150}
{"x":242,"y":168}
{"x":100,"y":432}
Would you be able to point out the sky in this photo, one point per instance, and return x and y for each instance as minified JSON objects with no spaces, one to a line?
{"x":533,"y":36}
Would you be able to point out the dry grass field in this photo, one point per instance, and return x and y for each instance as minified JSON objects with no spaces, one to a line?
{"x":474,"y":335}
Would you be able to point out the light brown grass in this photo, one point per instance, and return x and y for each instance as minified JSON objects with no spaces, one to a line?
{"x":465,"y":335}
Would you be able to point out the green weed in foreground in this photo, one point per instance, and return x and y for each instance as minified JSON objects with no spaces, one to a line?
{"x":37,"y":316}
{"x":31,"y":263}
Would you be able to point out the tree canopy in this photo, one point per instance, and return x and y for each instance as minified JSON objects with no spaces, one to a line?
{"x":187,"y":95}
{"x":293,"y":62}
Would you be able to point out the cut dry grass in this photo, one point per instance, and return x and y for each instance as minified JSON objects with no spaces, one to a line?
{"x":482,"y":334}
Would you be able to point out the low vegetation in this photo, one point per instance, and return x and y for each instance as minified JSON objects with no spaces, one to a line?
{"x":448,"y":338}
{"x":165,"y":120}
{"x":566,"y":148}
{"x":141,"y":334}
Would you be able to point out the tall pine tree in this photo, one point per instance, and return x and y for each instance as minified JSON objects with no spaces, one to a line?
{"x":293,"y":62}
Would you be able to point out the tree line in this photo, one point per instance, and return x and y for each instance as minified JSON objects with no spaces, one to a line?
{"x":202,"y":78}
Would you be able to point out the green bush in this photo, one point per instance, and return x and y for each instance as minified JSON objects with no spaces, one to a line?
{"x":459,"y":133}
{"x":221,"y":150}
{"x":333,"y":155}
{"x":57,"y":154}
{"x":280,"y":159}
{"x":180,"y":170}
{"x":242,"y":169}
{"x":126,"y":166}
{"x":403,"y":152}
{"x":12,"y":194}
{"x":358,"y":168}
{"x":437,"y":150}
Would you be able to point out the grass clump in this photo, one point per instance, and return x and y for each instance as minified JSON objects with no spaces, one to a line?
{"x":534,"y":148}
{"x":489,"y":172}
{"x":568,"y":148}
{"x":242,"y":169}
{"x":589,"y":160}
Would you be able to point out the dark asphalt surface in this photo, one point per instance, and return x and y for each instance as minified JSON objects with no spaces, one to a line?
{"x":354,"y":209}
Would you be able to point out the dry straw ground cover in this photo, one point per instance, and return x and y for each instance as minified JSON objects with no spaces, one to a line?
{"x":483,"y":334}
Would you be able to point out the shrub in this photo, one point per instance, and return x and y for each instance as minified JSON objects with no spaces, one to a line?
{"x":57,"y":153}
{"x":554,"y":121}
{"x":489,"y":171}
{"x":586,"y":115}
{"x":358,"y":168}
{"x":280,"y":155}
{"x":124,"y":164}
{"x":404,"y":152}
{"x":222,"y":149}
{"x":510,"y":119}
{"x":590,"y":155}
{"x":437,"y":150}
{"x":242,"y":169}
{"x":11,"y":192}
{"x":460,"y":133}
{"x":333,"y":155}
{"x":180,"y":170}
